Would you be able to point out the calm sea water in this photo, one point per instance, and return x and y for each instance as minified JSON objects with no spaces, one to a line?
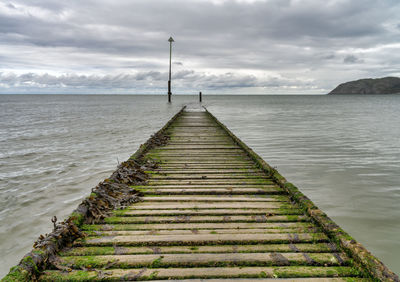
{"x":342,"y":152}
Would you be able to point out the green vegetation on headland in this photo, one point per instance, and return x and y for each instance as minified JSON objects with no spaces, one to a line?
{"x":386,"y":85}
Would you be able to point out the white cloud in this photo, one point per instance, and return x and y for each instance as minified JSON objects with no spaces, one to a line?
{"x":21,"y":10}
{"x":184,"y":81}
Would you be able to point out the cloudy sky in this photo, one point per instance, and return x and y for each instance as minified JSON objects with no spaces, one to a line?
{"x":222,"y":46}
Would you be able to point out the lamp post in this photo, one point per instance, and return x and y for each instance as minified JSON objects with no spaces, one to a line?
{"x":169,"y":80}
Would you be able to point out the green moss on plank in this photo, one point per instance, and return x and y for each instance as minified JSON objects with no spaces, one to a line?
{"x":140,"y":188}
{"x":120,"y":212}
{"x":38,"y":252}
{"x":77,"y":218}
{"x":29,"y":263}
{"x":91,"y":227}
{"x":304,"y":272}
{"x":153,"y":275}
{"x":157,"y":262}
{"x":262,"y":274}
{"x":85,"y":261}
{"x":154,"y":157}
{"x":292,"y":217}
{"x":78,"y":275}
{"x":113,"y":219}
{"x":88,"y":251}
{"x":17,"y":274}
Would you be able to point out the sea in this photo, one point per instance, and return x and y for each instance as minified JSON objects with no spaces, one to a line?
{"x":343,"y":152}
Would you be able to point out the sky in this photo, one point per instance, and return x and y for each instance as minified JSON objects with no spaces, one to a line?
{"x":221,"y":46}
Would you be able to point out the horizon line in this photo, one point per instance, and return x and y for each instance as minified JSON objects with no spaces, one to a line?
{"x":180,"y":94}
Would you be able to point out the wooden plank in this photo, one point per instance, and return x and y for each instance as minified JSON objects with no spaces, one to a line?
{"x":214,"y":161}
{"x":234,"y":232}
{"x":176,"y":176}
{"x":201,"y":239}
{"x":186,"y":166}
{"x":210,"y":205}
{"x":238,"y":158}
{"x":217,"y":198}
{"x":228,"y":171}
{"x":259,"y":248}
{"x":207,"y":186}
{"x":199,"y":226}
{"x":203,"y":259}
{"x":214,"y":191}
{"x":202,"y":182}
{"x":212,"y":211}
{"x":200,"y":218}
{"x":202,"y":147}
{"x":210,"y":272}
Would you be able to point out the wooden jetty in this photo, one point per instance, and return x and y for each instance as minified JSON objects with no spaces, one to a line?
{"x":210,"y":209}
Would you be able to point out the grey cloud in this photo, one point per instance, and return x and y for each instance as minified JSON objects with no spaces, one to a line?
{"x":152,"y":75}
{"x":299,"y":40}
{"x":184,"y":80}
{"x":328,"y":57}
{"x":11,"y":6}
{"x":351,"y":59}
{"x":97,"y":24}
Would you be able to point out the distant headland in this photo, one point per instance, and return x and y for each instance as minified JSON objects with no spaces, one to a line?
{"x":385,"y":85}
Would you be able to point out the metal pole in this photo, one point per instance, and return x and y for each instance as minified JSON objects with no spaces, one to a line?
{"x":170,"y":56}
{"x":169,"y":80}
{"x":169,"y":91}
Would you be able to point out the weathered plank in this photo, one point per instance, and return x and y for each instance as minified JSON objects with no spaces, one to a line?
{"x":202,"y":239}
{"x":212,"y":211}
{"x":217,"y":198}
{"x":213,"y":205}
{"x":199,"y":226}
{"x":259,"y":248}
{"x":201,"y":272}
{"x":209,"y":218}
{"x":204,"y":260}
{"x":202,"y":231}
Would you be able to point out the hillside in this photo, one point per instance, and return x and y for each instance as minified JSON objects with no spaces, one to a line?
{"x":386,"y":85}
